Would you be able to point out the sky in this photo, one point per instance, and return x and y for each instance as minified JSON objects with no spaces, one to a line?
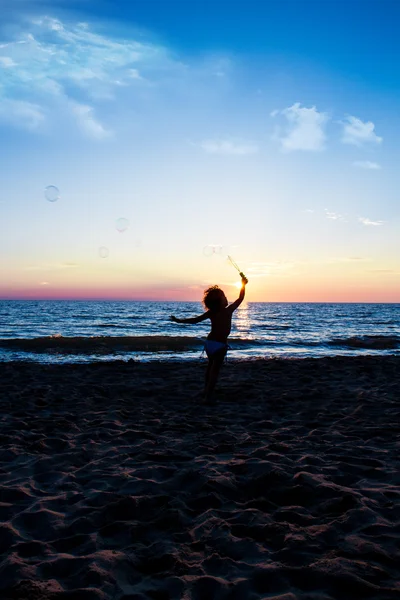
{"x":143,"y":142}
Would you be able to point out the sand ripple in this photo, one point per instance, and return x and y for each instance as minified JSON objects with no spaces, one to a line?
{"x":116,"y":484}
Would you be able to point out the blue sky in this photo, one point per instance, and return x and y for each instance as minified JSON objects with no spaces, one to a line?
{"x":262,"y":129}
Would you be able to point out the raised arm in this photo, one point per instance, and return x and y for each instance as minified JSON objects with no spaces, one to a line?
{"x":191,"y":320}
{"x":239,"y":301}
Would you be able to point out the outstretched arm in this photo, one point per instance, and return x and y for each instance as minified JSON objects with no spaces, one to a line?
{"x":239,"y":301}
{"x":191,"y":320}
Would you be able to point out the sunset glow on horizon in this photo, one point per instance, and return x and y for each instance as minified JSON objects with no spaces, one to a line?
{"x":140,"y":149}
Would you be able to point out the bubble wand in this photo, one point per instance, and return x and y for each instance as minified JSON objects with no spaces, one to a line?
{"x":242,"y":275}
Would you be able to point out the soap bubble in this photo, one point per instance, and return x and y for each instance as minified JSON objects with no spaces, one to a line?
{"x":214,"y":249}
{"x":52,"y":193}
{"x":122,"y":224}
{"x":104,"y":252}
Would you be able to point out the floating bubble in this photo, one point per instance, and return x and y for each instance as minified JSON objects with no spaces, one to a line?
{"x":52,"y":193}
{"x":122,"y":224}
{"x":103,"y":252}
{"x":214,"y":249}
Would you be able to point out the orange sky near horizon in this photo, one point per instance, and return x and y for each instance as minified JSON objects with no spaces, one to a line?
{"x":271,"y":292}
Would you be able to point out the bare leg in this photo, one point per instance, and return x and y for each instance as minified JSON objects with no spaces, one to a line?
{"x":207,"y":375}
{"x":213,"y":369}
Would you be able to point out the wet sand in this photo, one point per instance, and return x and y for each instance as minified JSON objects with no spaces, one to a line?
{"x":116,"y":484}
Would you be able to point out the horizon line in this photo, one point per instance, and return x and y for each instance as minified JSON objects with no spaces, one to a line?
{"x":102,"y":299}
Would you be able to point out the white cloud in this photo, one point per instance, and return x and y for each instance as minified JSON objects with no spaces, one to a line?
{"x":304,"y":130}
{"x":7,"y":62}
{"x":261,"y":269}
{"x":358,"y":133}
{"x":348,"y":259}
{"x":88,"y":123}
{"x":389,"y":271}
{"x":54,"y":65}
{"x":366,"y":164}
{"x":51,"y":267}
{"x":134,"y":74}
{"x":368,"y":222}
{"x":333,"y":216}
{"x":228,"y":147}
{"x":21,"y":114}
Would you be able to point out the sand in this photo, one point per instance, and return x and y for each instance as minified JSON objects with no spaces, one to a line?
{"x":116,"y":484}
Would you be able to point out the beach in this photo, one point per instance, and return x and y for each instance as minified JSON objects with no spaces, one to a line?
{"x":116,"y":483}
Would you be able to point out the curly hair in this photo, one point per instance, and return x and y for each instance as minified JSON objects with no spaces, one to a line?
{"x":213,"y":297}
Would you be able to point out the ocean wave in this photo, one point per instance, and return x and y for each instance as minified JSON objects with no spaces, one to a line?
{"x":373,"y":342}
{"x":110,"y":326}
{"x":273,"y":327}
{"x":108,"y":344}
{"x":392,"y":322}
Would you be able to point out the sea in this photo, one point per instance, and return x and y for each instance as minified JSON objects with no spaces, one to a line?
{"x":91,"y":331}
